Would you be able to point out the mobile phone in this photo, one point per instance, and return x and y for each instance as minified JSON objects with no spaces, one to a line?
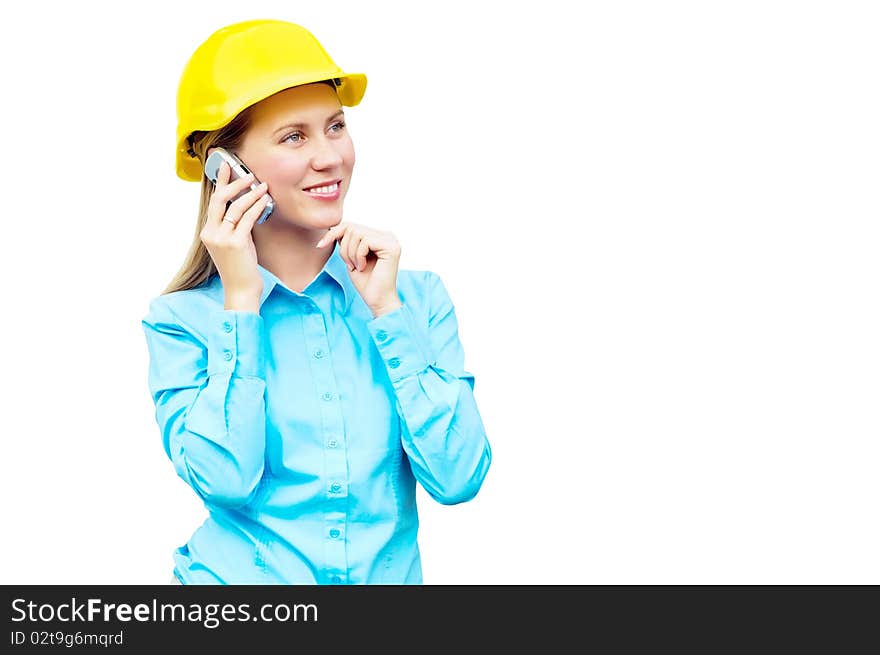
{"x":237,"y":170}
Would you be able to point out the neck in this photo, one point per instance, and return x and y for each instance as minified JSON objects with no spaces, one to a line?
{"x":289,"y":252}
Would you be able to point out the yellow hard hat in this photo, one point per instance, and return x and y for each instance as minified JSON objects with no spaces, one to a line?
{"x":243,"y":63}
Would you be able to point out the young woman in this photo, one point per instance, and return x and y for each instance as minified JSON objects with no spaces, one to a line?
{"x":302,"y":383}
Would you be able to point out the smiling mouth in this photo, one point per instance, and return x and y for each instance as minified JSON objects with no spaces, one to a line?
{"x":327,"y":190}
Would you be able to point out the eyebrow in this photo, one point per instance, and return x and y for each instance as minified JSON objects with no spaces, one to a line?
{"x":289,"y":125}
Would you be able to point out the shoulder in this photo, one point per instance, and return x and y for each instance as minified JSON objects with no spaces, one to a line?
{"x":419,"y":282}
{"x":186,"y":310}
{"x":423,"y":291}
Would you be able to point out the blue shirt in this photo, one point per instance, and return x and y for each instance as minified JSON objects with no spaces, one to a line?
{"x":305,"y":427}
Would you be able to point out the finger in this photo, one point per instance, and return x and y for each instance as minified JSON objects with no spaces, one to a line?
{"x":324,"y":240}
{"x":331,"y":235}
{"x":226,"y":178}
{"x":235,"y":187}
{"x":343,"y":249}
{"x":249,"y":218}
{"x":213,"y":214}
{"x":363,"y":250}
{"x":352,"y":247}
{"x":237,"y":209}
{"x":222,"y":174}
{"x":223,"y":194}
{"x":218,"y":209}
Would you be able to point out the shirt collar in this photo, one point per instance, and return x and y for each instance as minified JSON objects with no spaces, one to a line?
{"x":334,"y":267}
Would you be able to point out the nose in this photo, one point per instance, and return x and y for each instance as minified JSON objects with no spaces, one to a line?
{"x":326,"y":154}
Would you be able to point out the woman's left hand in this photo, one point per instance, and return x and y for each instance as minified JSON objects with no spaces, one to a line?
{"x":372,"y":257}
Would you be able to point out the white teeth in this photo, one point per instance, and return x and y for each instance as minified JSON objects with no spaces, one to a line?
{"x":325,"y":189}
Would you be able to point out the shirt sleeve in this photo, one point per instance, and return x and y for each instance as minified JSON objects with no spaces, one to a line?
{"x":442,"y":432}
{"x":210,"y":400}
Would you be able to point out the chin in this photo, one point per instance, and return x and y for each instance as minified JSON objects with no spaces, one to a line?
{"x":326,"y":223}
{"x":309,"y":221}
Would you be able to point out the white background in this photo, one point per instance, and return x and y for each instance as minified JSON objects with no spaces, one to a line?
{"x":658,"y":223}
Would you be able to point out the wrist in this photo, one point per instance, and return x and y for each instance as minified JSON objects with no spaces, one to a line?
{"x":386,"y":307}
{"x":242,"y":301}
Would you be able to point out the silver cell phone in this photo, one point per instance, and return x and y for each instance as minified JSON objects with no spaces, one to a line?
{"x":238,"y":169}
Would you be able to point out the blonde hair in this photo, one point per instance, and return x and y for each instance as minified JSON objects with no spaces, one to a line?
{"x":198,"y":266}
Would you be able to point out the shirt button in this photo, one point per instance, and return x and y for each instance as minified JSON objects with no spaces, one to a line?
{"x":334,"y":533}
{"x":327,"y":396}
{"x":335,"y":487}
{"x":227,"y":355}
{"x":394,"y":362}
{"x":381,"y":335}
{"x":336,"y":579}
{"x":332,"y":443}
{"x":227,"y":326}
{"x":319,"y":354}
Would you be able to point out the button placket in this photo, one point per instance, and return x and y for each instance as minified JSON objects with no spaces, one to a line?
{"x":335,"y":543}
{"x":332,"y":424}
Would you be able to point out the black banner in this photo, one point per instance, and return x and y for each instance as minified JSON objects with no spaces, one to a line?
{"x":140,"y":618}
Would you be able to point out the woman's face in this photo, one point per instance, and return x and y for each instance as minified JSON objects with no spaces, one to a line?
{"x":298,"y":140}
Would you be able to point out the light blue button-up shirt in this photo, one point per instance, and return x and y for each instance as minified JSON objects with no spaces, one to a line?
{"x":305,"y":427}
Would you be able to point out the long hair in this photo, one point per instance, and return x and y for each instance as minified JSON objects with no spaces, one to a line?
{"x":198,"y":266}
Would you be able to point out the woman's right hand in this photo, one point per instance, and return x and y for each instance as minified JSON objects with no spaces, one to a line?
{"x":227,"y":233}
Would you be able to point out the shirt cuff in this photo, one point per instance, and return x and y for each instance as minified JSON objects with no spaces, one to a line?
{"x":402,"y":343}
{"x":235,"y":344}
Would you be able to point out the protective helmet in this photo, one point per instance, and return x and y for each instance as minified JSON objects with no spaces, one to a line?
{"x":243,"y":63}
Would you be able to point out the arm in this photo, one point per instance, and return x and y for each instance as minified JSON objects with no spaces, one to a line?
{"x":442,"y":432}
{"x":210,"y":404}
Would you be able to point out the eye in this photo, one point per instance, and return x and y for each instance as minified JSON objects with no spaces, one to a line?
{"x":338,"y":124}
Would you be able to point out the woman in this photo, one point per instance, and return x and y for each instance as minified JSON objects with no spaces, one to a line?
{"x":302,"y":383}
